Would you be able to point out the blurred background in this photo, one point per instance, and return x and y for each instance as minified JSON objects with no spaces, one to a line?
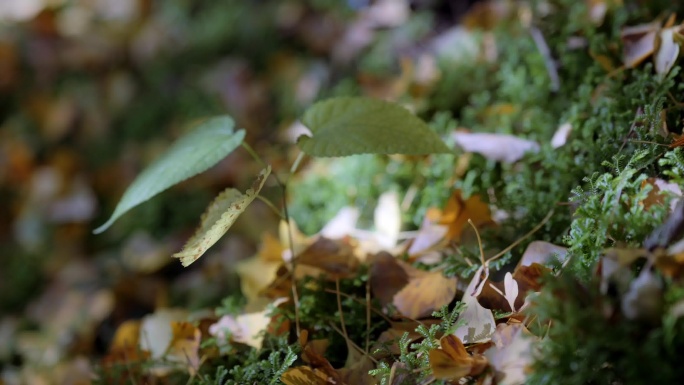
{"x":91,"y":91}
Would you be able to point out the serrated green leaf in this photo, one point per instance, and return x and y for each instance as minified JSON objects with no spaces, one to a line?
{"x":347,"y":126}
{"x":195,"y":152}
{"x":219,"y":217}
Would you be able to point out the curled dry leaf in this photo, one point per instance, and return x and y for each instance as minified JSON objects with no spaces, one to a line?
{"x":459,"y":210}
{"x":124,"y":347}
{"x":304,"y":375}
{"x":246,"y":328}
{"x":332,"y":258}
{"x":429,"y":234}
{"x":668,"y":49}
{"x":415,"y":293}
{"x":644,"y":299}
{"x":356,"y":368}
{"x":669,"y":232}
{"x":452,"y":361}
{"x":510,"y":294}
{"x":542,"y":253}
{"x":218,"y":218}
{"x":638,"y":43}
{"x":312,"y":354}
{"x":511,"y":354}
{"x":659,"y":193}
{"x":477,"y":323}
{"x":498,"y":147}
{"x":184,"y":346}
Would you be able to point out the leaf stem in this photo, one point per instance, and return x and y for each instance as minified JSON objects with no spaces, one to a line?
{"x":271,"y":206}
{"x":339,"y":308}
{"x":479,"y":241}
{"x":253,"y":154}
{"x":296,"y":163}
{"x":517,"y":242}
{"x":283,"y":187}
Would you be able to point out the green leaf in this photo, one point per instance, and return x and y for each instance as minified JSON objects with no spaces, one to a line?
{"x":203,"y":147}
{"x":218,"y":217}
{"x":347,"y":126}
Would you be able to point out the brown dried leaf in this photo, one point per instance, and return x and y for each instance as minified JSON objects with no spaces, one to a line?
{"x":334,"y":258}
{"x":388,"y":341}
{"x":304,"y":375}
{"x":126,"y":336}
{"x":659,"y":193}
{"x":452,"y":361}
{"x":458,"y":211}
{"x":356,"y":368}
{"x":415,"y":293}
{"x":185,"y":344}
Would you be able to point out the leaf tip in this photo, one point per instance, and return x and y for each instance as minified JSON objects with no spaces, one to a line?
{"x":103,"y":227}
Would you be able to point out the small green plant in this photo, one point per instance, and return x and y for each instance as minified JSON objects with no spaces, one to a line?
{"x":340,"y":127}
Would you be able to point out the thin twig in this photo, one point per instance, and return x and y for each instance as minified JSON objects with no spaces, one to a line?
{"x":296,"y":163}
{"x":339,"y":307}
{"x":516,"y":243}
{"x":345,"y":295}
{"x":368,"y":312}
{"x":353,"y":344}
{"x":648,"y":142}
{"x":544,"y":50}
{"x":293,"y":264}
{"x":479,"y":241}
{"x":271,"y":206}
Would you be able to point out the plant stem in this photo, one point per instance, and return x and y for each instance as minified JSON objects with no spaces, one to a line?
{"x":271,"y":206}
{"x":283,"y":186}
{"x":516,"y":243}
{"x":253,"y":154}
{"x":296,"y":163}
{"x":339,"y":308}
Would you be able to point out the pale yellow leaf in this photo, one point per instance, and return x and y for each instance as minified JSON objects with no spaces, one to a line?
{"x":185,"y":345}
{"x":218,"y":218}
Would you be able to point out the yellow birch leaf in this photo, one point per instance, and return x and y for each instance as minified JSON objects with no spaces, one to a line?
{"x":452,"y":361}
{"x":217,"y":219}
{"x":185,"y":344}
{"x":304,"y":375}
